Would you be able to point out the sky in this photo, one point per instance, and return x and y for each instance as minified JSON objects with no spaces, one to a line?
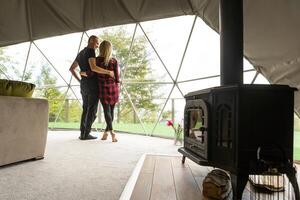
{"x":169,"y":38}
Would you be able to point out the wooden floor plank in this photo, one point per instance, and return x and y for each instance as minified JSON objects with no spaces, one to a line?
{"x":143,"y":186}
{"x":185,"y":184}
{"x":165,"y":177}
{"x":163,"y":183}
{"x":142,"y":189}
{"x":149,"y":164}
{"x":176,"y":162}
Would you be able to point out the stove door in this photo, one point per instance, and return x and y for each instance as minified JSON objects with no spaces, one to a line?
{"x":196,"y":127}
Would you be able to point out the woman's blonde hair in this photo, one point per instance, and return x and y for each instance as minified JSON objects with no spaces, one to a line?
{"x":105,"y":51}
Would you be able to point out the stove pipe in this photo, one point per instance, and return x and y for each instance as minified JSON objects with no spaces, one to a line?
{"x":231,"y":41}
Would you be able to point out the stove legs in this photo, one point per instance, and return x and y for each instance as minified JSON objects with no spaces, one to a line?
{"x":183,"y":160}
{"x":238,"y":182}
{"x":291,"y":174}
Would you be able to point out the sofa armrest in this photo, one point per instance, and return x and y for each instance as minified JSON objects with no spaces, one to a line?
{"x":23,"y":128}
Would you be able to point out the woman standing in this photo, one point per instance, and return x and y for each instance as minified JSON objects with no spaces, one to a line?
{"x":108,"y":92}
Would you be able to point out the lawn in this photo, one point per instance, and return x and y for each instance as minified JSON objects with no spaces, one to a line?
{"x":297,"y":145}
{"x":161,"y":130}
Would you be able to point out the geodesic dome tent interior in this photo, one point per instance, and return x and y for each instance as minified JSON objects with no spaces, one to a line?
{"x":180,"y":51}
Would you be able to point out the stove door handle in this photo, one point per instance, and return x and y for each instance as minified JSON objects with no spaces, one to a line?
{"x":202,"y":129}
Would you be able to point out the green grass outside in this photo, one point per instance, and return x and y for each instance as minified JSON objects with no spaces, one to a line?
{"x":161,"y":130}
{"x":297,"y":145}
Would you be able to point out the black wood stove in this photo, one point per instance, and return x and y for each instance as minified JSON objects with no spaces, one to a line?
{"x":244,"y":129}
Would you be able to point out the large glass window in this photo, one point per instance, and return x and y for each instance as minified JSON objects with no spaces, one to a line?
{"x":160,"y":61}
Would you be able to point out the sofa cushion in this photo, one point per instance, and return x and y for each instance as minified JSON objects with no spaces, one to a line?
{"x":16,"y":88}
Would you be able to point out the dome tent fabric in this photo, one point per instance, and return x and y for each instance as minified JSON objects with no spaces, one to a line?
{"x":271,"y":27}
{"x":35,"y":19}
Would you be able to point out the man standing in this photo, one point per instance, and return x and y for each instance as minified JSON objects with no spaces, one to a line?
{"x":86,"y":60}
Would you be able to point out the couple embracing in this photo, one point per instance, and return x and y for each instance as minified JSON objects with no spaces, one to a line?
{"x":99,"y":80}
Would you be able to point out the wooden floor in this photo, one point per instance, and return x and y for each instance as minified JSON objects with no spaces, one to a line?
{"x":165,"y":178}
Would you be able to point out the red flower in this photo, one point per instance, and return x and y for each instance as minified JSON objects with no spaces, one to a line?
{"x":170,"y":123}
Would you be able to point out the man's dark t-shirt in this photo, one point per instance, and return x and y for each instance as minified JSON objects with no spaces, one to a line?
{"x":88,"y":85}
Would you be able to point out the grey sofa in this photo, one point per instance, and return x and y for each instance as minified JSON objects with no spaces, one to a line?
{"x":23,"y":128}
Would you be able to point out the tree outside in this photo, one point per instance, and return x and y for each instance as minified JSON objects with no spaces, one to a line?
{"x":8,"y":69}
{"x":137,"y":69}
{"x":46,"y":83}
{"x":62,"y":108}
{"x":3,"y":59}
{"x":74,"y":111}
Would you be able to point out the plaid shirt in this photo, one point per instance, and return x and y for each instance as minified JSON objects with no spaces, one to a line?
{"x":108,"y":87}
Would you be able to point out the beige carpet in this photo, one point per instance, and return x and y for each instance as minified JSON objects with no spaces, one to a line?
{"x":74,"y":169}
